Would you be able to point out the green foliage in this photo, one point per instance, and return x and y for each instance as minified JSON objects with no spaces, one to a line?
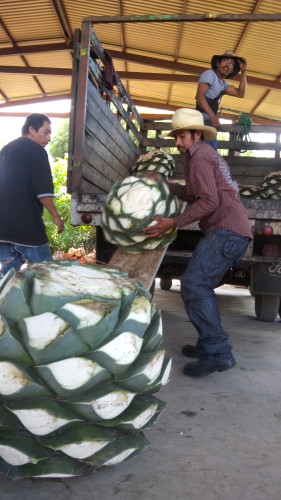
{"x":58,"y":147}
{"x":80,"y":236}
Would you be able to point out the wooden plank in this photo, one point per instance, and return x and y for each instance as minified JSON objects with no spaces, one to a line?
{"x":104,"y":136}
{"x":103,"y":160}
{"x":141,"y":266}
{"x":110,"y":122}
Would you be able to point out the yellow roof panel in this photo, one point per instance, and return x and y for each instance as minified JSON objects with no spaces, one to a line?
{"x":37,"y":23}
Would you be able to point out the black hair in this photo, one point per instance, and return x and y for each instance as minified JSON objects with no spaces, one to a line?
{"x":192,"y":133}
{"x":34,"y":120}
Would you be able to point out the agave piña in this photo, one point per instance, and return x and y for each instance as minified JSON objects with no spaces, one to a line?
{"x":131,"y":206}
{"x":155,"y":161}
{"x":79,"y":364}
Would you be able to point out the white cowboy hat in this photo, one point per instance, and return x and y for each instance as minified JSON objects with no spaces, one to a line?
{"x":191,"y":119}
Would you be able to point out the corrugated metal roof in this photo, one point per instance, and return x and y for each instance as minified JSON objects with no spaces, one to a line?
{"x":42,"y":22}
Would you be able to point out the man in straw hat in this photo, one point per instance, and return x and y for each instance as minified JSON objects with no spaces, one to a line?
{"x":213,"y":200}
{"x":212,"y":86}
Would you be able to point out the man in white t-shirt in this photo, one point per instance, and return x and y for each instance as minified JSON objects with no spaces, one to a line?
{"x":212,"y":86}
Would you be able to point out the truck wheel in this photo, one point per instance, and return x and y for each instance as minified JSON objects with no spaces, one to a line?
{"x":267,"y":307}
{"x":165,"y":283}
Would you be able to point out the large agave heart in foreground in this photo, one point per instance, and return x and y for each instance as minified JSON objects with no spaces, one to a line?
{"x":79,"y":362}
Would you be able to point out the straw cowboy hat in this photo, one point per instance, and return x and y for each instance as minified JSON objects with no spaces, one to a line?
{"x":191,"y":119}
{"x":228,"y":54}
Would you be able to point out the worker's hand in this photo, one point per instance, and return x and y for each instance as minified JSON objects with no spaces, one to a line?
{"x":163,"y":225}
{"x":243,"y":64}
{"x":215,"y":122}
{"x":59,"y":222}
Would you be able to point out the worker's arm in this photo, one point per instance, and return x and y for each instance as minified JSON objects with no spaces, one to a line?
{"x":241,"y":90}
{"x":48,"y":203}
{"x":203,"y":103}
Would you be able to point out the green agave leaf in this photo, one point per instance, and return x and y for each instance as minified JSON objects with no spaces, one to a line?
{"x":93,"y":320}
{"x":19,"y":448}
{"x":10,"y":346}
{"x":154,"y":333}
{"x":119,"y":353}
{"x":8,"y":420}
{"x":56,"y":467}
{"x":17,"y":382}
{"x":123,"y":447}
{"x":138,"y":414}
{"x":48,"y":338}
{"x":145,"y":370}
{"x":6,"y":278}
{"x":161,"y":407}
{"x":41,"y":417}
{"x":80,"y":441}
{"x":14,"y":298}
{"x":10,"y":471}
{"x":102,"y":404}
{"x":72,"y":376}
{"x":163,"y":378}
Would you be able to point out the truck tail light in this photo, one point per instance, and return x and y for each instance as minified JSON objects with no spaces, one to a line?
{"x":267,"y":230}
{"x":86,"y":218}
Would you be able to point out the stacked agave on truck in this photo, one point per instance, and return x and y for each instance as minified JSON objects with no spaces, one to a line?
{"x":133,"y":203}
{"x":79,"y":365}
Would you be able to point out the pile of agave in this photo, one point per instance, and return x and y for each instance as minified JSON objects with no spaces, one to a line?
{"x":79,"y":364}
{"x":131,"y":206}
{"x":155,"y":161}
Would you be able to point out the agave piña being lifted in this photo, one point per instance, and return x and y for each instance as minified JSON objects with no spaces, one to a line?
{"x":131,"y":206}
{"x":79,"y":364}
{"x":155,"y":161}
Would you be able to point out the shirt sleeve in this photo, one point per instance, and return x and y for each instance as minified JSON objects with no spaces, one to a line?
{"x":204,"y":190}
{"x":41,"y":176}
{"x":207,"y":77}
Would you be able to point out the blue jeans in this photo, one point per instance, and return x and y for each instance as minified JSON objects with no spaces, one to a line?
{"x":214,"y":255}
{"x":13,"y":256}
{"x":214,"y":142}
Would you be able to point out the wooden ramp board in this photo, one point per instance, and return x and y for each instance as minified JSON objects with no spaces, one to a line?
{"x":141,"y":266}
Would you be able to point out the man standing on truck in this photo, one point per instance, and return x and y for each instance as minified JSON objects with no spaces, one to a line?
{"x":26,"y":187}
{"x":212,"y":86}
{"x":213,"y":200}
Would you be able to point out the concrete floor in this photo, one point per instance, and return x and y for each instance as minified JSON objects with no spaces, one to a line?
{"x":219,"y":437}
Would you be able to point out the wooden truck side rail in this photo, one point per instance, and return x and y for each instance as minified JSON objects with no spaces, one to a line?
{"x":104,"y":128}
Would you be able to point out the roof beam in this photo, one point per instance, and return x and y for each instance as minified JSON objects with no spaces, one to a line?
{"x":36,"y":70}
{"x":46,"y":98}
{"x":62,"y":19}
{"x":167,"y":18}
{"x":23,"y":58}
{"x":187,"y":68}
{"x":156,"y":77}
{"x":179,"y":36}
{"x":33,"y":49}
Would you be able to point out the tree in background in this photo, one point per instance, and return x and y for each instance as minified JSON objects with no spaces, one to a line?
{"x":58,"y":147}
{"x":72,"y":236}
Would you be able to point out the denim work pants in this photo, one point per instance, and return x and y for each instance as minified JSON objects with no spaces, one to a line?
{"x":213,"y":256}
{"x":14,"y":256}
{"x":213,"y":142}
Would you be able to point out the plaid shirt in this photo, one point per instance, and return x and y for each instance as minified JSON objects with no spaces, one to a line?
{"x":211,"y":193}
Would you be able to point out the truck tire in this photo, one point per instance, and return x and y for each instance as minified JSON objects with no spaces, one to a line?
{"x":165,"y":283}
{"x":267,"y":307}
{"x":280,"y":308}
